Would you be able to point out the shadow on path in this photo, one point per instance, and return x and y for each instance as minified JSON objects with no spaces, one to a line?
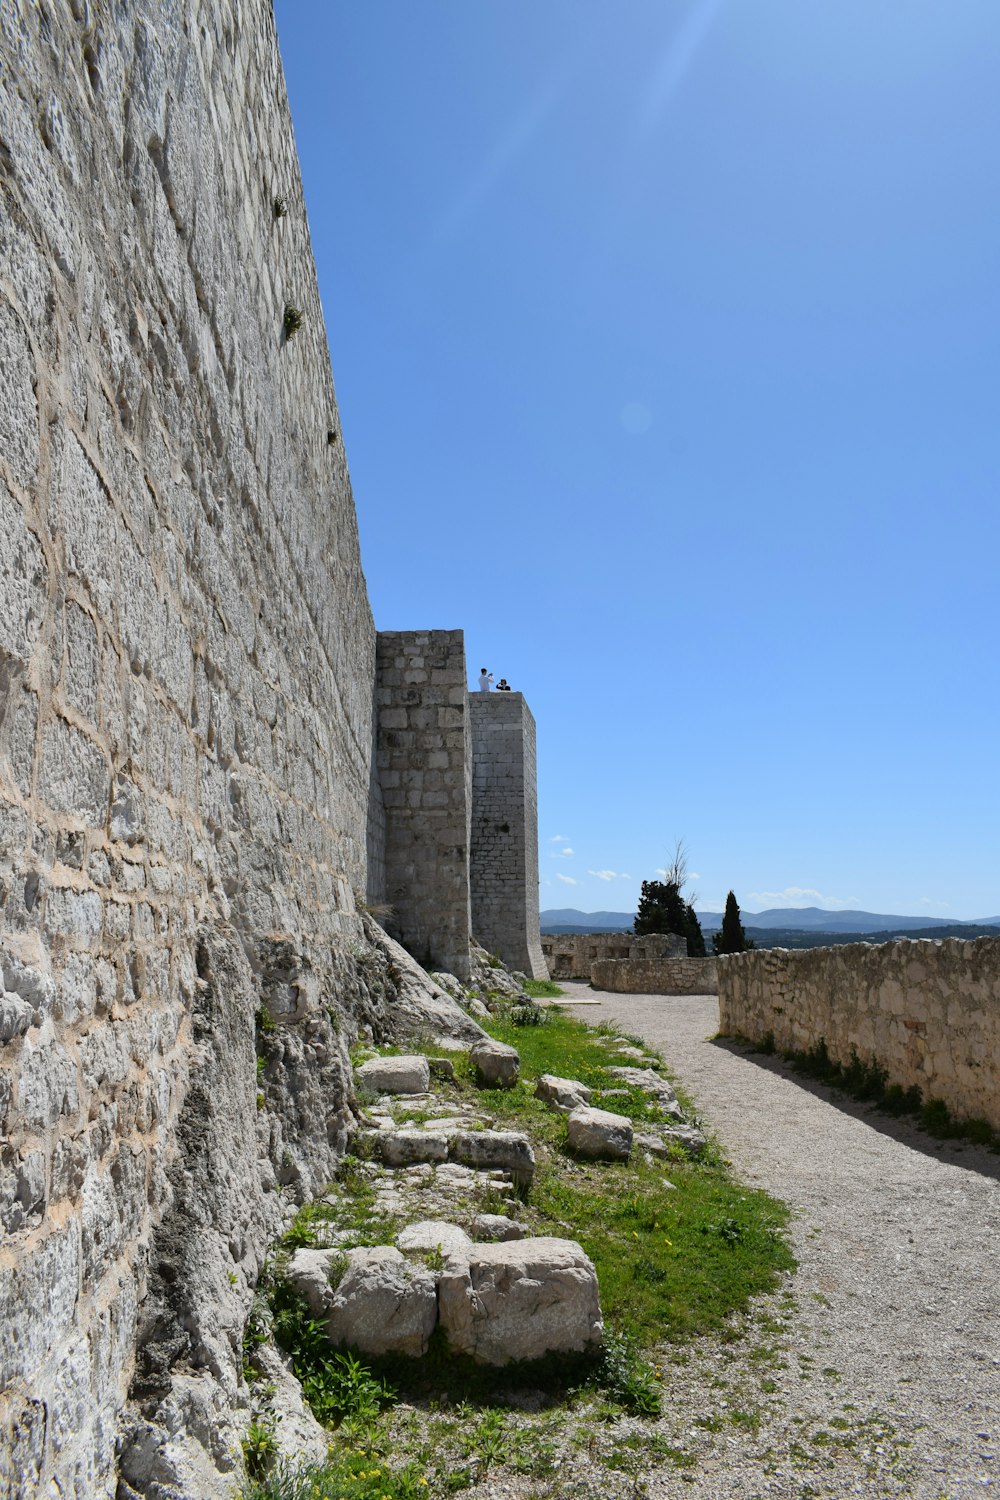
{"x":902,"y":1129}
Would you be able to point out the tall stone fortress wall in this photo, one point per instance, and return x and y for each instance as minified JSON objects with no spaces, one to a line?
{"x":186,"y":680}
{"x":189,"y":805}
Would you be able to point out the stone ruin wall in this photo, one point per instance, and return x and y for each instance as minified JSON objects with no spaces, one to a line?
{"x":186,"y":676}
{"x":927,"y":1012}
{"x":504,"y":843}
{"x":655,"y":976}
{"x":571,"y":955}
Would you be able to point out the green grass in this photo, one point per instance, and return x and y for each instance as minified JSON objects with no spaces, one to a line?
{"x":680,"y":1250}
{"x":544,"y":989}
{"x":347,"y":1475}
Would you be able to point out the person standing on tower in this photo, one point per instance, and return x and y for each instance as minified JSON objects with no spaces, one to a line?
{"x":485,"y":681}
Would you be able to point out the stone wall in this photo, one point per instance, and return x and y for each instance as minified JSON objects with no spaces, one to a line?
{"x":570,"y":955}
{"x":927,"y":1012}
{"x":186,"y":677}
{"x":423,"y":750}
{"x":504,"y":846}
{"x":652,"y":976}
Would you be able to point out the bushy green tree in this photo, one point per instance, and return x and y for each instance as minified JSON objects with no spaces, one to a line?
{"x":662,"y":908}
{"x":731,"y":936}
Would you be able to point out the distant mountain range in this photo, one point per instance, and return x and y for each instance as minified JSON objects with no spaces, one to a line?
{"x":788,"y":919}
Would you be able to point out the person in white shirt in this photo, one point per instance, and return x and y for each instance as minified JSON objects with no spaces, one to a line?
{"x":485,"y":681}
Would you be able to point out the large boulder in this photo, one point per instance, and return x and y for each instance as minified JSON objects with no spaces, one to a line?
{"x":520,"y":1299}
{"x":395,"y":1075}
{"x":600,"y":1134}
{"x":495,"y":1065}
{"x":372,"y":1299}
{"x":502,"y":1150}
{"x":564,"y":1093}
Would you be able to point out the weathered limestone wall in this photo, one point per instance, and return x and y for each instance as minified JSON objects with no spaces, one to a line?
{"x":927,"y":1012}
{"x":186,"y":674}
{"x":504,"y":848}
{"x":570,"y":955}
{"x":423,"y":750}
{"x":655,"y":976}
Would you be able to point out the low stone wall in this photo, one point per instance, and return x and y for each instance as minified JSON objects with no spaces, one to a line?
{"x":928,"y":1012}
{"x":655,"y":976}
{"x":571,"y":955}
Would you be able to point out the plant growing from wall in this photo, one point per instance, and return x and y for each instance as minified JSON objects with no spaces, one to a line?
{"x":280,"y":208}
{"x":292,"y":321}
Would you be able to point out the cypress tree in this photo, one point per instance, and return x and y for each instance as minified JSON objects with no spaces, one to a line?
{"x":731,"y":936}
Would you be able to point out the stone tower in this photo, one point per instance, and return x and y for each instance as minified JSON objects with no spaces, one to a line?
{"x":455,"y":851}
{"x":504,"y":845}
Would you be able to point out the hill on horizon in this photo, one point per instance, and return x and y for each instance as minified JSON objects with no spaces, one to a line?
{"x":789,"y":919}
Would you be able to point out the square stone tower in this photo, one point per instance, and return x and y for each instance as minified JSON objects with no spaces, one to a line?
{"x":504,"y":845}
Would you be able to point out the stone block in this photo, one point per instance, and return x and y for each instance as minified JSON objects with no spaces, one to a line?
{"x":599,"y":1134}
{"x":503,"y":1150}
{"x":403,"y":1148}
{"x":373,"y":1299}
{"x":494,"y":1063}
{"x":520,"y":1300}
{"x":564,"y":1093}
{"x":395,"y":1075}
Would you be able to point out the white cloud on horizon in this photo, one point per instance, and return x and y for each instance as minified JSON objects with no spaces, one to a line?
{"x":798,"y":895}
{"x":566,"y":879}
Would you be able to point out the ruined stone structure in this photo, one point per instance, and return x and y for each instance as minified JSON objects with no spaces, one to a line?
{"x":926,"y":1012}
{"x":191,"y":804}
{"x":572,"y":955}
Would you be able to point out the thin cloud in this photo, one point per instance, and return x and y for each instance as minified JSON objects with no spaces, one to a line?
{"x":557,"y":838}
{"x":798,"y":895}
{"x":608,"y":875}
{"x":566,"y":879}
{"x":685,"y":43}
{"x":561,"y":853}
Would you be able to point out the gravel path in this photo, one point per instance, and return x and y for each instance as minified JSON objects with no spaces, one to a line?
{"x":888,"y":1383}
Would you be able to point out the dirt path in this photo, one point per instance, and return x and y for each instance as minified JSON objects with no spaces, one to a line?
{"x":891,"y":1378}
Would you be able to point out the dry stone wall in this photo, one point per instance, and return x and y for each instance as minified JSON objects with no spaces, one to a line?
{"x":926,"y":1012}
{"x":504,"y":846}
{"x":186,"y":726}
{"x":655,"y":976}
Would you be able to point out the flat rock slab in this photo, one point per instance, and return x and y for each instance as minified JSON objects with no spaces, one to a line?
{"x":496,"y":1227}
{"x":435,"y":1234}
{"x":564,"y":1093}
{"x":506,"y":1150}
{"x":687,"y":1137}
{"x":599,"y":1134}
{"x":521,"y":1300}
{"x":495,"y":1065}
{"x":651,"y":1083}
{"x":395,"y":1075}
{"x":371,"y":1299}
{"x":404,"y":1148}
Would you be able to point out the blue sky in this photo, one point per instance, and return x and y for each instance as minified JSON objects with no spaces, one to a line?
{"x":667,"y":346}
